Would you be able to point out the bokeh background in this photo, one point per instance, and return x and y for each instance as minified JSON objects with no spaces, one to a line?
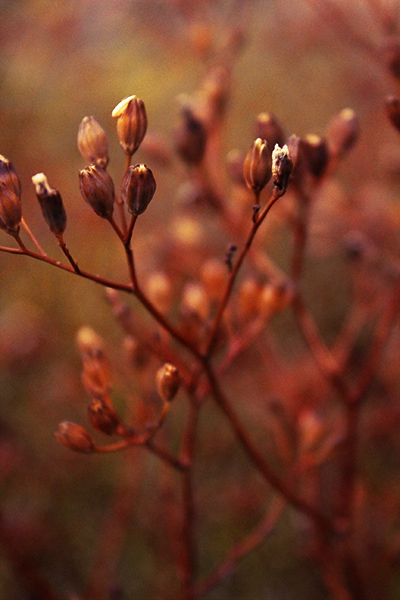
{"x":59,"y":61}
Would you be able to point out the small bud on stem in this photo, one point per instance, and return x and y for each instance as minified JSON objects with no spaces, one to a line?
{"x":10,"y":198}
{"x":97,"y":188}
{"x":168,"y":382}
{"x":92,"y":142}
{"x":131,"y":123}
{"x":257,"y":166}
{"x":282,"y":167}
{"x":138,"y":188}
{"x":74,"y":437}
{"x":51,"y":204}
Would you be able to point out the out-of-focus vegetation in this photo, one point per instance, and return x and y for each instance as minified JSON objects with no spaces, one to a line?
{"x":303,"y":61}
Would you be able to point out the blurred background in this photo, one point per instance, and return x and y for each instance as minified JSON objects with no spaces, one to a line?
{"x":60,"y":61}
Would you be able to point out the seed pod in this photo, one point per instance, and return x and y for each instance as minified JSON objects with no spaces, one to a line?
{"x":282,"y":167}
{"x":10,"y":198}
{"x":103,"y":416}
{"x":393,"y":111}
{"x":138,"y":188}
{"x":74,"y":437}
{"x":257,"y":166}
{"x":131,"y":123}
{"x":269,"y":129}
{"x":315,"y":154}
{"x":167,"y":382}
{"x":92,"y":142}
{"x":191,"y":137}
{"x":96,"y":375}
{"x":343,"y":132}
{"x":97,"y":188}
{"x":51,"y":204}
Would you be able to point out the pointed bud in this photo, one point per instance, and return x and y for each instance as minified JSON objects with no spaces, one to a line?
{"x":103,"y":416}
{"x":393,"y":111}
{"x":51,"y":204}
{"x":10,"y":198}
{"x":282,"y":167}
{"x":97,"y":188}
{"x":343,"y":132}
{"x":138,"y":188}
{"x":131,"y":123}
{"x":269,"y":129}
{"x":191,"y":137}
{"x":168,"y":381}
{"x":92,"y":142}
{"x":74,"y":437}
{"x":257,"y":166}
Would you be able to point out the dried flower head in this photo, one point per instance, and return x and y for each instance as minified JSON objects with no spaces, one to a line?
{"x":92,"y":142}
{"x":138,"y":188}
{"x":131,"y":123}
{"x":75,"y":437}
{"x":97,"y":188}
{"x":282,"y":167}
{"x":168,"y":381}
{"x":257,"y":166}
{"x":51,"y":204}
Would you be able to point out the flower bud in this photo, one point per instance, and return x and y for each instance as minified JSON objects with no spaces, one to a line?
{"x":51,"y":204}
{"x":8,"y":176}
{"x":92,"y":142}
{"x":343,"y":132}
{"x":214,"y":275}
{"x":103,"y":416}
{"x":10,"y":198}
{"x":96,"y":376}
{"x":131,"y":123}
{"x":282,"y":167}
{"x":269,"y":129}
{"x":97,"y":188}
{"x":10,"y":210}
{"x":195,"y":299}
{"x":191,"y":137}
{"x":74,"y":437}
{"x":257,"y":166}
{"x":393,"y":111}
{"x":138,"y":188}
{"x":167,"y":381}
{"x":315,"y":154}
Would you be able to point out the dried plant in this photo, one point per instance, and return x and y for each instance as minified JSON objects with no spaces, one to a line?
{"x":203,"y":329}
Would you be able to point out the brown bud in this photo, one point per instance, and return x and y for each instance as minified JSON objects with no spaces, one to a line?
{"x":257,"y":166}
{"x":103,"y":416}
{"x":343,"y":132}
{"x":168,"y":381}
{"x":213,"y":275}
{"x":315,"y":155}
{"x":195,"y":299}
{"x":10,"y":198}
{"x":131,"y":123}
{"x":74,"y":437}
{"x":191,"y":137}
{"x":393,"y":111}
{"x":138,"y":188}
{"x":282,"y":167}
{"x":8,"y":176}
{"x":269,"y":129}
{"x":216,"y":89}
{"x":97,"y":188}
{"x":248,"y":296}
{"x":96,"y":376}
{"x":92,"y":142}
{"x":51,"y":204}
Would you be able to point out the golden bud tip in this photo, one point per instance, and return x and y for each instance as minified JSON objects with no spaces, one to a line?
{"x":121,"y":107}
